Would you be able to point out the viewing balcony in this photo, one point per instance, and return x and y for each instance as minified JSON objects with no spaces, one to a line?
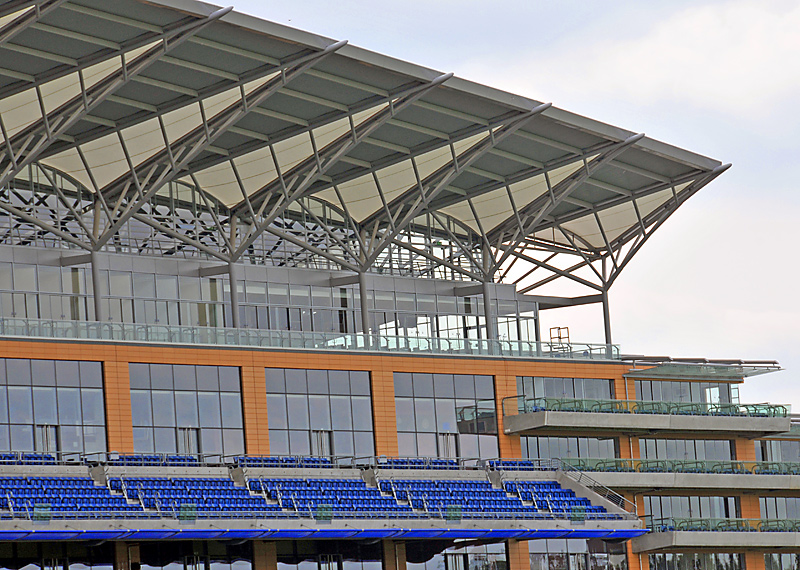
{"x":718,"y":535}
{"x":641,"y":475}
{"x":297,"y":340}
{"x":541,"y":416}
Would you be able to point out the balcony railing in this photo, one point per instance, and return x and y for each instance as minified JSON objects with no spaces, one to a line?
{"x":722,"y":525}
{"x":176,"y":334}
{"x":683,"y":466}
{"x":514,"y":405}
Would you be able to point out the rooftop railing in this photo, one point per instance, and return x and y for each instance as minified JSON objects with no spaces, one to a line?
{"x":721,"y":525}
{"x":217,"y":336}
{"x":520,"y":404}
{"x":684,"y":466}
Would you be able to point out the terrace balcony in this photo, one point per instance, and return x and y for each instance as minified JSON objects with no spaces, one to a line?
{"x":302,"y":341}
{"x":718,"y":535}
{"x":541,"y":416}
{"x":641,"y":475}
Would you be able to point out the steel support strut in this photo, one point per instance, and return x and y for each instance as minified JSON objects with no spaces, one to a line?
{"x":132,"y":190}
{"x":25,"y":147}
{"x":26,"y":20}
{"x":410,"y":204}
{"x":292,"y":185}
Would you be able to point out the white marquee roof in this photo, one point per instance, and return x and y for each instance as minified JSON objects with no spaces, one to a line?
{"x":261,"y":123}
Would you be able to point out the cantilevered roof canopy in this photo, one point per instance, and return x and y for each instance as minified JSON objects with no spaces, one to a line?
{"x":218,"y":134}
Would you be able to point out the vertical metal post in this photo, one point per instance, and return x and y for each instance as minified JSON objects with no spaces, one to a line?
{"x":362,"y":295}
{"x":537,"y":331}
{"x":234,"y":286}
{"x":98,"y":291}
{"x":491,"y":329}
{"x":607,"y":324}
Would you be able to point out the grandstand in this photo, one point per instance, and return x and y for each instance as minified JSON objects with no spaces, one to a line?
{"x":272,"y":301}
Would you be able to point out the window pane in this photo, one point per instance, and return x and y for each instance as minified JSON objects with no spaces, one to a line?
{"x":318,"y":382}
{"x":184,"y":377}
{"x":207,"y":378}
{"x":426,"y":420}
{"x":69,"y":406}
{"x":43,"y":372}
{"x":359,"y":383}
{"x":3,"y":404}
{"x":18,"y":371}
{"x":278,"y":442}
{"x":163,"y":408}
{"x":297,"y":407}
{"x":341,"y":416}
{"x":44,"y":405}
{"x":211,"y":441}
{"x":296,"y":381}
{"x":276,"y":413}
{"x":94,"y":439}
{"x":233,"y":441}
{"x":92,"y":406}
{"x":231,"y":404}
{"x":275,"y":381}
{"x":139,"y":374}
{"x":71,"y":438}
{"x":339,"y":382}
{"x":208,"y":405}
{"x":186,"y":409}
{"x":229,"y":379}
{"x":320,"y":412}
{"x":362,"y":413}
{"x":405,"y":414}
{"x":165,"y":440}
{"x":141,"y":408}
{"x":402,"y":384}
{"x":161,"y":376}
{"x":20,"y":404}
{"x":21,"y":437}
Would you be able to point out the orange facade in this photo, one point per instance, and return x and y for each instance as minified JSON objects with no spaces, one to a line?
{"x":116,"y":358}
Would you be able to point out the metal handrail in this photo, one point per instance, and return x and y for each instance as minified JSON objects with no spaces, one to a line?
{"x":606,"y":492}
{"x":197,"y":335}
{"x":520,"y":404}
{"x":618,"y":465}
{"x":684,"y":524}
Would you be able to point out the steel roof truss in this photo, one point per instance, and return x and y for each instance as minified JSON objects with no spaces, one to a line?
{"x":28,"y":19}
{"x":26,"y":146}
{"x":169,"y":163}
{"x":534,"y":213}
{"x":297,"y":180}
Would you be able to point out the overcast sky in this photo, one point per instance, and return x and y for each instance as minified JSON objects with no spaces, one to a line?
{"x":720,"y":78}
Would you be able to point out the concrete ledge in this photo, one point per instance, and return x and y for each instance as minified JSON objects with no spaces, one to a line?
{"x":715,"y":541}
{"x":600,"y":422}
{"x":787,"y":485}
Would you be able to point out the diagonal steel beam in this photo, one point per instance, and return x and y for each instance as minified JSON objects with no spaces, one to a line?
{"x":657,"y":217}
{"x":152,"y":174}
{"x":26,"y":20}
{"x":25,"y":81}
{"x":415,"y":200}
{"x":293,"y":184}
{"x":26,"y":146}
{"x":543,"y":205}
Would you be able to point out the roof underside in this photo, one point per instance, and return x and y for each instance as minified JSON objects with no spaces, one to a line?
{"x":230,"y":137}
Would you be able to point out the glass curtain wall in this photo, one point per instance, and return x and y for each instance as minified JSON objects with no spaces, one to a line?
{"x":564,"y":554}
{"x":781,"y":561}
{"x":445,"y":415}
{"x":319,"y":412}
{"x":543,"y":447}
{"x":698,"y":561}
{"x":694,"y":392}
{"x":189,"y":410}
{"x":780,"y":508}
{"x":773,"y":450}
{"x":664,"y":507}
{"x":688,"y":449}
{"x":51,"y":406}
{"x":65,"y":293}
{"x":578,"y":388}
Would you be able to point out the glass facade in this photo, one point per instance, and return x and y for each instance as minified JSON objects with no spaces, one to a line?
{"x":697,"y":392}
{"x":683,"y":507}
{"x":319,"y":412}
{"x":697,"y":561}
{"x":187,"y":409}
{"x":773,"y":450}
{"x":780,"y":508}
{"x":446,"y":415}
{"x":155,"y":297}
{"x":543,"y":447}
{"x":329,"y":555}
{"x":51,"y":406}
{"x":781,"y":561}
{"x":579,"y":388}
{"x":689,"y":449}
{"x":564,"y":554}
{"x":487,"y":557}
